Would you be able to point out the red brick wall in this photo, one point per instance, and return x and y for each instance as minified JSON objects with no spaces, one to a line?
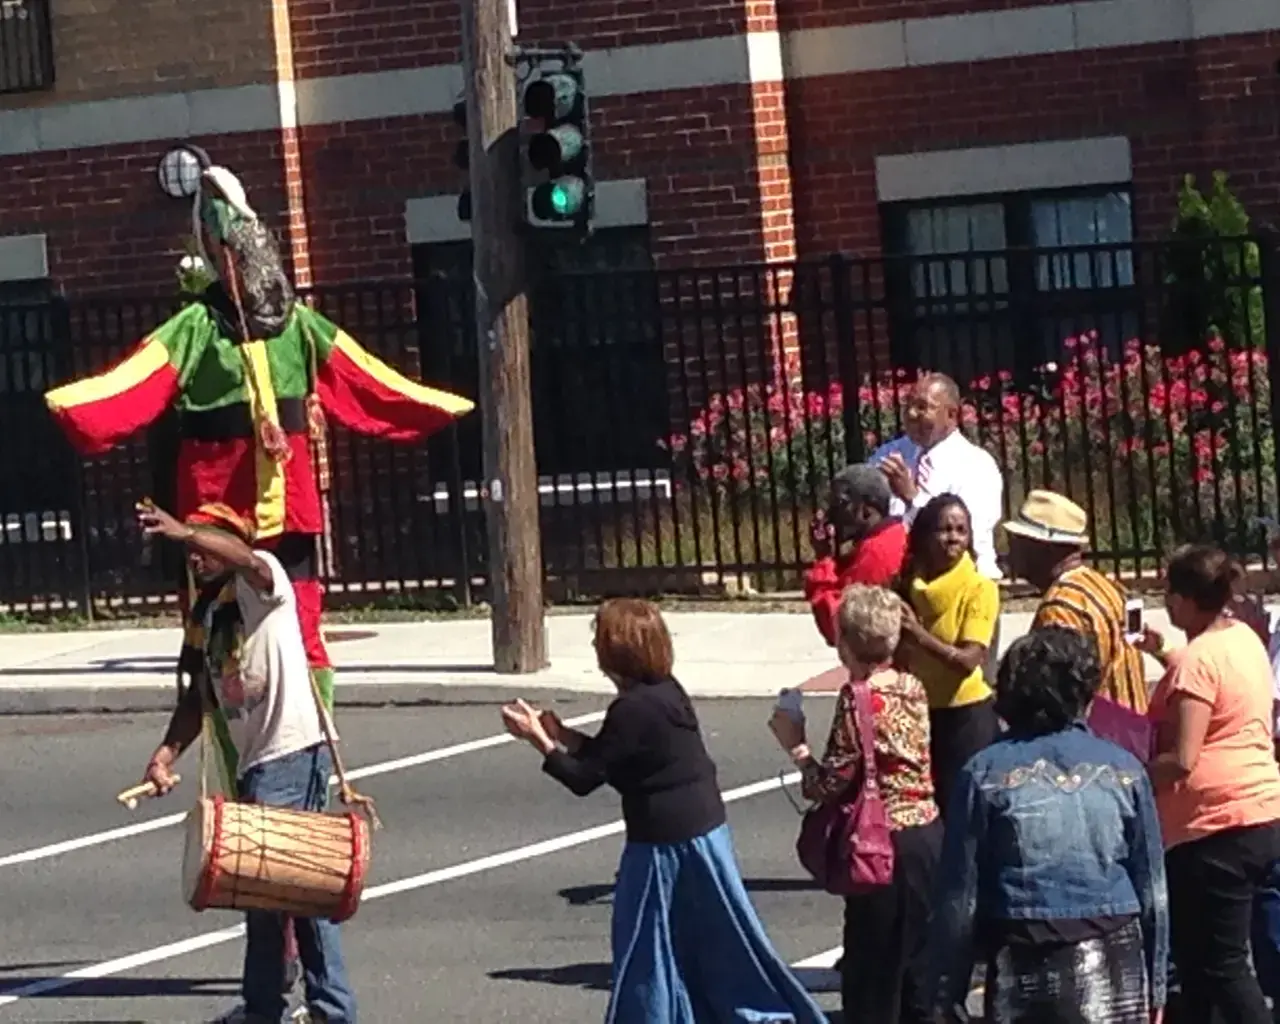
{"x":109,"y":226}
{"x":1185,"y":107}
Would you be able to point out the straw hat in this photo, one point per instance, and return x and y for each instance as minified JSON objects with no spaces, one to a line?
{"x":1046,"y":516}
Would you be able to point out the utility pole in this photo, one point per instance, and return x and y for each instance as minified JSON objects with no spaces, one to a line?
{"x":510,"y":490}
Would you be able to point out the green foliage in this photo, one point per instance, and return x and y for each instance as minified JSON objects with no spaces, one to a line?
{"x":1213,"y":273}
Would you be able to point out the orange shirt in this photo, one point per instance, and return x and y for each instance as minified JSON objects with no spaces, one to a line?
{"x":1236,"y":781}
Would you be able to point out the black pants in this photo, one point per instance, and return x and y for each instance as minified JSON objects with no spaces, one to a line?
{"x":955,"y":735}
{"x":1212,"y":882}
{"x":882,"y":970}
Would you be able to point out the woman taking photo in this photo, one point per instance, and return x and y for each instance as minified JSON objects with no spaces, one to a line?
{"x":678,"y":892}
{"x":1217,"y":786}
{"x":882,"y":974}
{"x":1053,"y":868}
{"x":950,"y":618}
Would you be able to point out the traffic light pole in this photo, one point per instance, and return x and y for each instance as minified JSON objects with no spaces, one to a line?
{"x":510,"y":491}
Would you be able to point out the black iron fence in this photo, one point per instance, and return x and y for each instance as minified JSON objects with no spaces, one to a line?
{"x":687,"y":421}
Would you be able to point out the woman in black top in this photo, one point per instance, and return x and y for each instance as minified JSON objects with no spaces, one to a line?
{"x":688,"y":947}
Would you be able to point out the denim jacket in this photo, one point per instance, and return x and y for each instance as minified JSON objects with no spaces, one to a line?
{"x":1058,"y":826}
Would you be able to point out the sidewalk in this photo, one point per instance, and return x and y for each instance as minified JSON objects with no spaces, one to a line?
{"x":718,"y":654}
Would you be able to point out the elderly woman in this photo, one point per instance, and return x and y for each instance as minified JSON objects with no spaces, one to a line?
{"x":1053,"y":869}
{"x":882,"y":980}
{"x":1217,"y":786}
{"x":679,"y":892}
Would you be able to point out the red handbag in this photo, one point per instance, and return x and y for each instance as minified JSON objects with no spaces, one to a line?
{"x":848,"y":846}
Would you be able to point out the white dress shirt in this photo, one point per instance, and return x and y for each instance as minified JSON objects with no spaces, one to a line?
{"x":955,"y":465}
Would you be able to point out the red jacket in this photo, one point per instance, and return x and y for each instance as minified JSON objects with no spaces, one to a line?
{"x":875,"y":560}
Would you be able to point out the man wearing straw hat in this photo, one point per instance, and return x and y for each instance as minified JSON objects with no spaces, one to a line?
{"x":257,"y":677}
{"x":1047,"y":539}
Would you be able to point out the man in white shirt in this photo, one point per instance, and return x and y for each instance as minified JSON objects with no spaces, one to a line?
{"x":933,"y":457}
{"x":256,"y":673}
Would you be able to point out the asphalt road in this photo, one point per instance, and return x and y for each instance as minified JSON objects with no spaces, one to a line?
{"x":525,"y":939}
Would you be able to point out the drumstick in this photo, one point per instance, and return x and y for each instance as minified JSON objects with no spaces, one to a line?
{"x":133,"y":794}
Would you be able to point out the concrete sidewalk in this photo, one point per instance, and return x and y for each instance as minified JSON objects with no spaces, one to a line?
{"x":718,"y":654}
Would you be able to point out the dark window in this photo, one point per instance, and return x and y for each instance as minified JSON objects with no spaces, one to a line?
{"x":597,"y":366}
{"x":26,"y":46}
{"x":997,"y":282}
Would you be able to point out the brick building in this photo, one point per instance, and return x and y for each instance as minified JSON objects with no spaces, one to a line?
{"x":743,"y":133}
{"x":725,"y":132}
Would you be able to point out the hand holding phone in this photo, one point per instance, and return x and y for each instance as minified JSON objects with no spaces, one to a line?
{"x":1133,"y":619}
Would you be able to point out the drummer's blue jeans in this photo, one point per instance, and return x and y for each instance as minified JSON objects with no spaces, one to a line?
{"x":298,"y":780}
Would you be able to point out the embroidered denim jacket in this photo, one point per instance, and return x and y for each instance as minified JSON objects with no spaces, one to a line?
{"x":1059,"y":826}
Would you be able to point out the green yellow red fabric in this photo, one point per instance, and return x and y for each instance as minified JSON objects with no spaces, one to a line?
{"x":189,"y":363}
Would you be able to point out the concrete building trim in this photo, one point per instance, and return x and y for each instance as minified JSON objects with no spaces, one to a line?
{"x":432,"y":219}
{"x":989,"y":170}
{"x":24,"y":258}
{"x":752,"y":58}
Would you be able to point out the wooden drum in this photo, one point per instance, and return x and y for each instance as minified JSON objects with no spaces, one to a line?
{"x":242,"y":856}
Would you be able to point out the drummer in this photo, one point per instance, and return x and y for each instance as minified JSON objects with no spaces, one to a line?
{"x":257,"y":664}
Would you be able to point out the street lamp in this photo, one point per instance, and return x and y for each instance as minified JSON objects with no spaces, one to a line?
{"x":179,"y":171}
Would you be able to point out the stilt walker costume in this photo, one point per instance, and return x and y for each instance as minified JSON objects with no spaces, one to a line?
{"x":253,"y":374}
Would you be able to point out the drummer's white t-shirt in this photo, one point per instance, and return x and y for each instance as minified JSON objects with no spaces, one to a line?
{"x":264,"y":686}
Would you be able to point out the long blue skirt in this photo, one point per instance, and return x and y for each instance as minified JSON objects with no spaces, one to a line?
{"x":688,"y":947}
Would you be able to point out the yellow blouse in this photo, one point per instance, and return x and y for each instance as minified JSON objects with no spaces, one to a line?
{"x":960,"y":606}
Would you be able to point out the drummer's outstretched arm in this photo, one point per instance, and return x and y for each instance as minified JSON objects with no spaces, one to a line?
{"x":184,"y":726}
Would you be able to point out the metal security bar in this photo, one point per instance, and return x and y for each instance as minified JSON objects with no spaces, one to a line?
{"x":26,"y":46}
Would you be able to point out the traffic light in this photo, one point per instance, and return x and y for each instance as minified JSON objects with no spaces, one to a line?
{"x":561,"y":149}
{"x":462,"y":158}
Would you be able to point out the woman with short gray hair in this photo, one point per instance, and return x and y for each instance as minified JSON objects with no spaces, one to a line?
{"x":882,"y":970}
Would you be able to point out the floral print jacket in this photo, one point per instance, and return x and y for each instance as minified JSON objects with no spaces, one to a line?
{"x":900,"y":712}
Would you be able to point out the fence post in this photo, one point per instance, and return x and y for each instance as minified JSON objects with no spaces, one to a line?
{"x":846,"y":356}
{"x":1269,"y":267}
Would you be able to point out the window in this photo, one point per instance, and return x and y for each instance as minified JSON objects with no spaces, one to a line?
{"x":998,"y":282}
{"x":26,"y":46}
{"x":598,"y":368}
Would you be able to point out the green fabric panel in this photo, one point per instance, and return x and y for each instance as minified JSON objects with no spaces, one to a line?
{"x":287,"y":356}
{"x":225,"y":752}
{"x":324,"y":680}
{"x":323,"y":330}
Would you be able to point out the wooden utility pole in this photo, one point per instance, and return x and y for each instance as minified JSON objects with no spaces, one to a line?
{"x":510,"y":491}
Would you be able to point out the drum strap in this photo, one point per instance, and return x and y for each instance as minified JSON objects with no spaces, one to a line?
{"x":345,"y":793}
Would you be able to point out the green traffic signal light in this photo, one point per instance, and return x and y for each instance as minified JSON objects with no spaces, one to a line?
{"x":561,"y":199}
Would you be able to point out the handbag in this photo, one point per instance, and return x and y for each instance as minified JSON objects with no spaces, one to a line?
{"x":848,"y":846}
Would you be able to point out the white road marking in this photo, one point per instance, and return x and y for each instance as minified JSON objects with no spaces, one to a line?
{"x":827,"y":959}
{"x":368,"y":771}
{"x":150,"y":956}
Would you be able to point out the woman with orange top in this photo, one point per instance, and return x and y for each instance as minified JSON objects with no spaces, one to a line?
{"x":1217,"y":787}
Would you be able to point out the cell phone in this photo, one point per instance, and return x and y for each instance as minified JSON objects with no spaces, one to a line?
{"x":1133,"y":612}
{"x":792,"y":702}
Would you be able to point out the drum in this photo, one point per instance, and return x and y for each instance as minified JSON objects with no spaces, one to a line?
{"x":242,"y":856}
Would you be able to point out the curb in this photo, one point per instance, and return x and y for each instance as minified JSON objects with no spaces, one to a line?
{"x":139,"y":700}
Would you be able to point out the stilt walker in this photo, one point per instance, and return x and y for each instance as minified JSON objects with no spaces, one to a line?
{"x":254,"y":375}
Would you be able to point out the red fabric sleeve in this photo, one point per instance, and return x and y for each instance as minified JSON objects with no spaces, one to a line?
{"x":822,"y":589}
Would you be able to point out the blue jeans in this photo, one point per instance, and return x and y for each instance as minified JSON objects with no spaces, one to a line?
{"x":298,"y":780}
{"x":1265,"y":937}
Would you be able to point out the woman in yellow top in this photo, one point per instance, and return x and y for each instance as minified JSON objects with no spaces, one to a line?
{"x":950,"y":618}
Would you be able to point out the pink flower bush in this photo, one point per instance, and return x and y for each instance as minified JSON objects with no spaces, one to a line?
{"x":1158,"y":448}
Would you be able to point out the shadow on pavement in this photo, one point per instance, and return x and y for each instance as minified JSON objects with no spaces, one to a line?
{"x":594,"y":977}
{"x":585,"y":895}
{"x":124,"y":988}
